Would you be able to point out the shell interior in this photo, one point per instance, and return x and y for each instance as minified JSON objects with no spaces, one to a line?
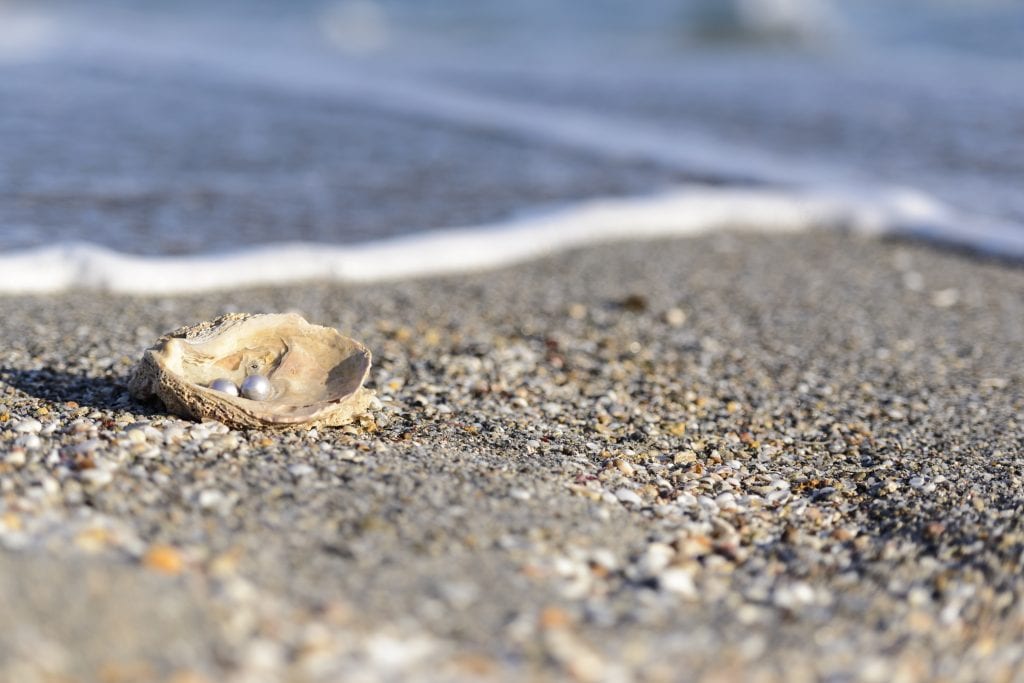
{"x":313,"y":370}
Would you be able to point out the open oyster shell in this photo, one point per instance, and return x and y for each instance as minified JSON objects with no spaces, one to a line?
{"x":316,"y":374}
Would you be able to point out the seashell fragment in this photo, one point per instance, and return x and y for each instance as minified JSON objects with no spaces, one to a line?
{"x":315,"y":373}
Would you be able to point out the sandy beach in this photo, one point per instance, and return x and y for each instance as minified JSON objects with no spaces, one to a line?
{"x":786,"y":444}
{"x":734,"y":457}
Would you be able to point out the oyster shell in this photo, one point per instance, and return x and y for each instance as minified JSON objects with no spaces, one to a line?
{"x":316,"y":374}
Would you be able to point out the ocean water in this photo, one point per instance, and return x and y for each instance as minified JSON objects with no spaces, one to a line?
{"x":158,"y":147}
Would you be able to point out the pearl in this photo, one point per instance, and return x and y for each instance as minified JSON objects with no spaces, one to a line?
{"x":256,"y":387}
{"x":224,"y":385}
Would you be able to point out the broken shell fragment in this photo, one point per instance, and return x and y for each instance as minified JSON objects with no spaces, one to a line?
{"x":311,"y":375}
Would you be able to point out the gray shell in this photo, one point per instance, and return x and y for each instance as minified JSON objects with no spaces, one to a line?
{"x":316,"y":373}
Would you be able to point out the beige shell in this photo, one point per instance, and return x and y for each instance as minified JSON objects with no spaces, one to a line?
{"x":315,"y":373}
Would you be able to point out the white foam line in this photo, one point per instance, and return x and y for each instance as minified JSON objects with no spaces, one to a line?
{"x":610,"y":137}
{"x":688,"y":211}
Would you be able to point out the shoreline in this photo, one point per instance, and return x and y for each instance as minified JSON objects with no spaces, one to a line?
{"x":686,"y":211}
{"x":726,"y":453}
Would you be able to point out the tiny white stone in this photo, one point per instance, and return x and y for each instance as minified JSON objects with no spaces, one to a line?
{"x":346,"y":454}
{"x":675,"y":317}
{"x":945,"y":298}
{"x":29,"y":441}
{"x":794,"y":596}
{"x":626,"y":496}
{"x":707,"y":503}
{"x":224,"y":385}
{"x":15,"y":457}
{"x":86,"y":447}
{"x":209,"y":498}
{"x":519,"y":494}
{"x":97,"y":477}
{"x":913,"y":281}
{"x":677,"y":581}
{"x":726,"y":500}
{"x":604,"y":558}
{"x":301,"y":470}
{"x":256,"y":388}
{"x":655,"y":559}
{"x":173,"y":434}
{"x":214,"y":427}
{"x":29,"y":425}
{"x":686,"y":500}
{"x":51,"y":486}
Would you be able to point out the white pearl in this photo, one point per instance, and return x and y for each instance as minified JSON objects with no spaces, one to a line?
{"x":224,"y":385}
{"x":256,"y":387}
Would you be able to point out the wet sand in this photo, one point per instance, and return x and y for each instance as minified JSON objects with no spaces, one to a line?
{"x":732,"y":457}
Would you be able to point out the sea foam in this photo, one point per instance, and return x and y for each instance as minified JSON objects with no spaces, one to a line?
{"x":788,"y":195}
{"x":687,"y":211}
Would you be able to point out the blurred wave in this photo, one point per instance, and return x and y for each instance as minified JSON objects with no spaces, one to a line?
{"x":196,"y":128}
{"x":356,"y":26}
{"x":591,"y":29}
{"x":25,"y":32}
{"x":783,"y":22}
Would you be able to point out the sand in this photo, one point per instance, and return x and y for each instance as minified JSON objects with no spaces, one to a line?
{"x":735,"y":457}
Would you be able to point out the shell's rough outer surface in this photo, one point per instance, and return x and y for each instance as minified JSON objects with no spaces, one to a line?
{"x":316,"y":374}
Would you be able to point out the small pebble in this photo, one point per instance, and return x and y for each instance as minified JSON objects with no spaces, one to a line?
{"x":29,"y":441}
{"x":675,"y":317}
{"x":301,"y":470}
{"x":86,"y":447}
{"x":677,"y":581}
{"x":946,"y":298}
{"x":794,"y":596}
{"x":627,"y":496}
{"x":97,"y":477}
{"x":656,"y":558}
{"x":163,"y":559}
{"x":519,"y":494}
{"x":726,"y":501}
{"x":29,"y":425}
{"x":210,"y":498}
{"x":15,"y":457}
{"x":173,"y":434}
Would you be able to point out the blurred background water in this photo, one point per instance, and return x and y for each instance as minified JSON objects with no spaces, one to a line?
{"x":192,"y":127}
